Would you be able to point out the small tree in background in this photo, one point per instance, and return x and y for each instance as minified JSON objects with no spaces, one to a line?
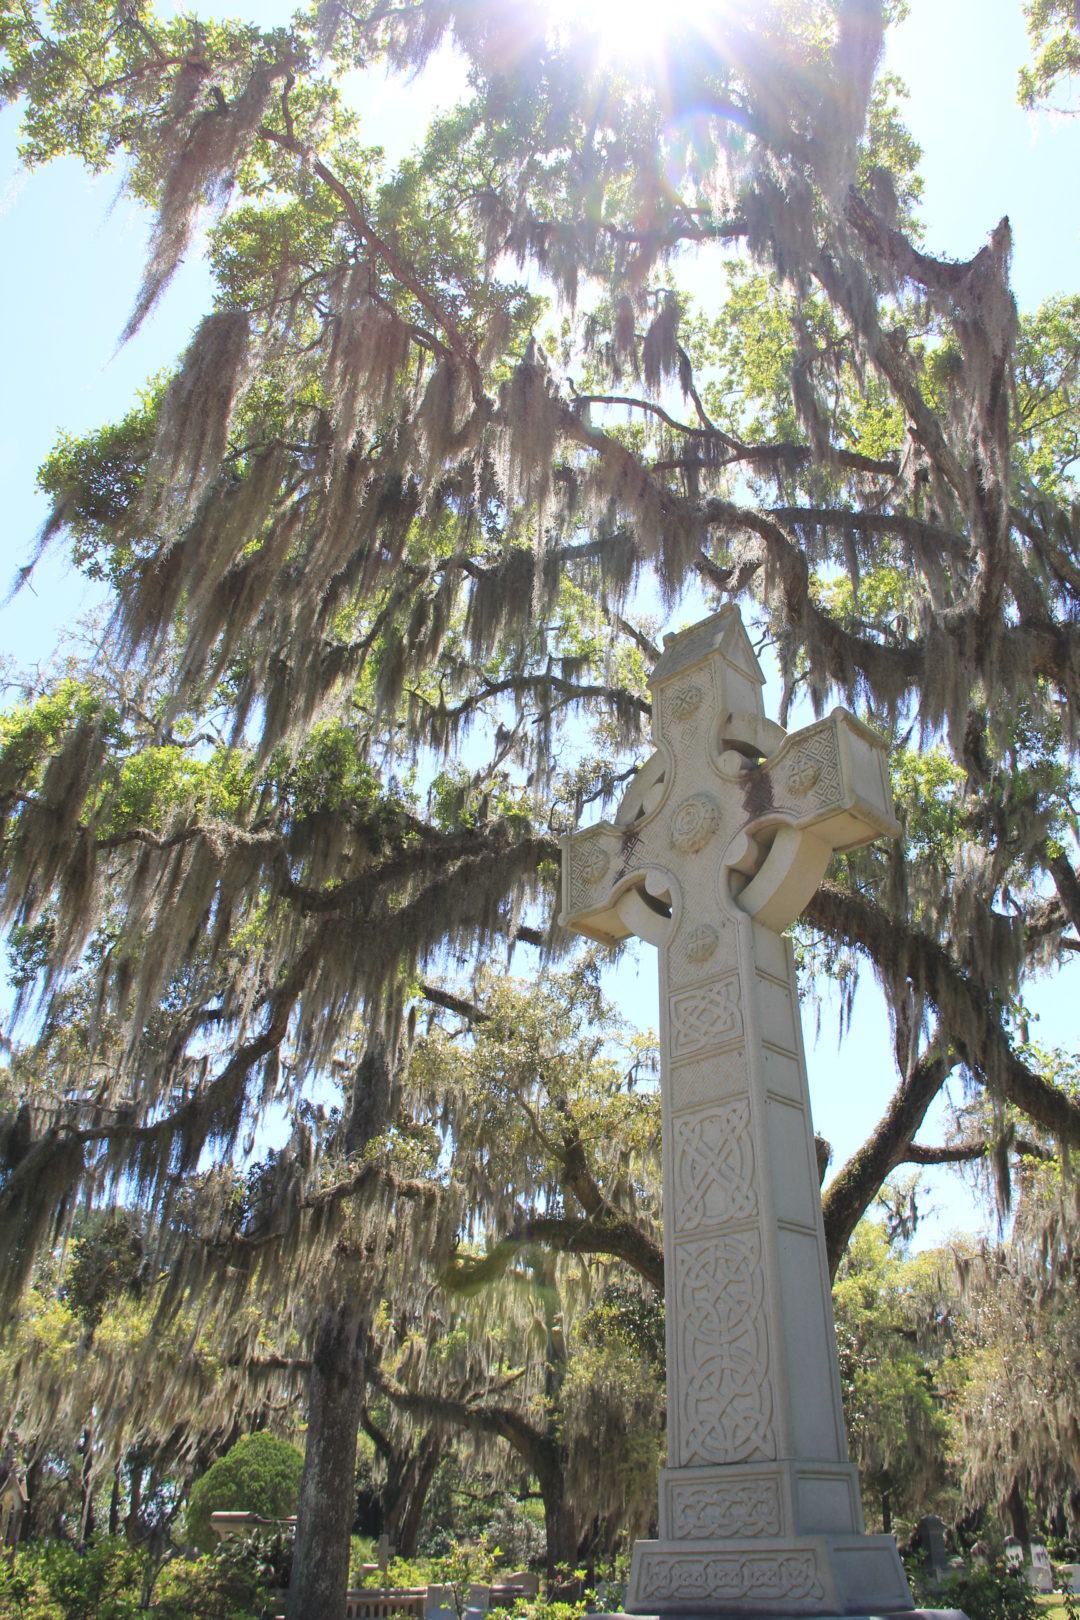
{"x":260,"y":1474}
{"x":898,"y":1432}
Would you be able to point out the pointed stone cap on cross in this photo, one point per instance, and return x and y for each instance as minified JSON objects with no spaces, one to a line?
{"x":729,"y":800}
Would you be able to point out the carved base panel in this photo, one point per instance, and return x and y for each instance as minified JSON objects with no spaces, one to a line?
{"x":798,"y":1575}
{"x":760,"y":1499}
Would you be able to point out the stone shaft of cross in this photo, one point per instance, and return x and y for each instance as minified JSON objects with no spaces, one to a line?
{"x":719,"y":842}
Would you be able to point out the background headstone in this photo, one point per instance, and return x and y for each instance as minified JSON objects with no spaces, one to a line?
{"x":931,"y":1534}
{"x":1040,"y":1573}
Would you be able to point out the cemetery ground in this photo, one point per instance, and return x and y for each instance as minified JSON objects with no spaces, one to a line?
{"x":909,"y":1394}
{"x":106,"y":1582}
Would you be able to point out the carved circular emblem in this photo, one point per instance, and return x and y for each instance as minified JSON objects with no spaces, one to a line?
{"x":592,"y":864}
{"x":685,"y":701}
{"x":701,"y":942}
{"x":804,"y":776}
{"x":694,"y":822}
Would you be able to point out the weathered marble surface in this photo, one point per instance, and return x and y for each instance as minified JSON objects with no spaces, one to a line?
{"x":719,"y":842}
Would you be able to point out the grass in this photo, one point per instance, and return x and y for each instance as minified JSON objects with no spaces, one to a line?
{"x":1055,"y":1607}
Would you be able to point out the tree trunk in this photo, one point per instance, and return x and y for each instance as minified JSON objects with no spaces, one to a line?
{"x":408,"y":1528}
{"x":886,"y":1510}
{"x":563,"y":1537}
{"x":320,"y":1569}
{"x":32,"y":1517}
{"x":86,"y":1515}
{"x":114,"y":1503}
{"x":562,"y":1540}
{"x":1014,"y":1507}
{"x":133,"y":1522}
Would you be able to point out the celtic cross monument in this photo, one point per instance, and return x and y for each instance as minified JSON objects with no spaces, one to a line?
{"x":719,"y":842}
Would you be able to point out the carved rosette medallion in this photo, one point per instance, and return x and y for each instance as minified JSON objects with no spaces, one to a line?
{"x":694,"y":822}
{"x":592,"y":864}
{"x":725,"y":1393}
{"x":691,"y":953}
{"x":588,"y":866}
{"x":812,"y":776}
{"x":701,"y":942}
{"x":682,"y":707}
{"x":805,"y":776}
{"x":751,"y":1508}
{"x":753,"y":1578}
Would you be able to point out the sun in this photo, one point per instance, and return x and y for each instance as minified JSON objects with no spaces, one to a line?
{"x":623,"y":32}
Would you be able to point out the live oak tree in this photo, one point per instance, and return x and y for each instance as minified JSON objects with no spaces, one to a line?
{"x":578,"y":1406}
{"x":545,"y":1094}
{"x":521,"y":1113}
{"x":443,"y":429}
{"x":115,"y":1413}
{"x":1016,"y":1323}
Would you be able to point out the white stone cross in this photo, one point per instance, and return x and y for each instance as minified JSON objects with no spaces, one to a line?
{"x":718,"y":844}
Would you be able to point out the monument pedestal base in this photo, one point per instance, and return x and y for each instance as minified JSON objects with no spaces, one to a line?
{"x":800,"y":1575}
{"x":702,"y":1614}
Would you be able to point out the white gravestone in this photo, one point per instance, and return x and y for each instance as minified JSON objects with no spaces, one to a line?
{"x":720,"y":841}
{"x":1041,"y":1574}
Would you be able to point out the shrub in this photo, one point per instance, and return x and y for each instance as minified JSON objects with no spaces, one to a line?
{"x":240,"y":1580}
{"x":260,"y":1474}
{"x":990,"y":1591}
{"x":55,"y":1581}
{"x":541,"y":1609}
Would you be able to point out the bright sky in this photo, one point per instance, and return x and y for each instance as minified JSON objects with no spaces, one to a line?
{"x":70,"y":260}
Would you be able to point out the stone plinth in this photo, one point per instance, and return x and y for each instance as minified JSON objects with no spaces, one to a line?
{"x":892,"y":1614}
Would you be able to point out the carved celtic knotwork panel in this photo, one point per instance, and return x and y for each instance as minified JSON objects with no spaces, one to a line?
{"x":714,"y":1167}
{"x":751,"y":1508}
{"x":725,"y":1390}
{"x":708,"y":1015}
{"x":753,"y":1578}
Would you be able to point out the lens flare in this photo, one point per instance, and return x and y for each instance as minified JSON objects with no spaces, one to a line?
{"x":625,"y":32}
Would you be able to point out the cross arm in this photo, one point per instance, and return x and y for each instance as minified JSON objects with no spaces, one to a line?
{"x":825,"y":789}
{"x":609,"y":888}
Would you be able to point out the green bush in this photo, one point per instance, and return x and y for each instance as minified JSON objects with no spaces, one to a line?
{"x":990,"y":1591}
{"x":53,"y":1580}
{"x":541,"y":1609}
{"x":260,"y":1474}
{"x":401,"y":1572}
{"x":240,"y":1580}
